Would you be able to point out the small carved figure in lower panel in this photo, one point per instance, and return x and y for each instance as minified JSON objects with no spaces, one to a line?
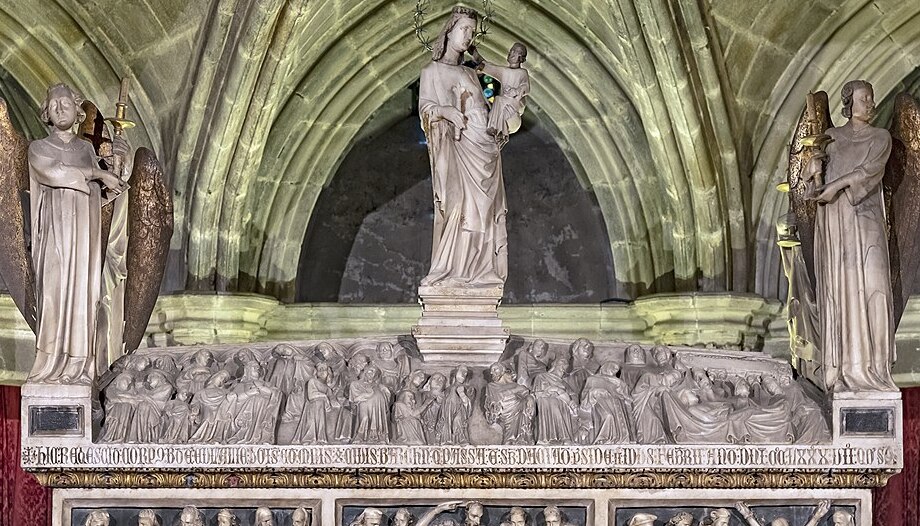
{"x":190,"y":516}
{"x":97,"y":518}
{"x":369,"y":517}
{"x":225,"y":517}
{"x":147,"y":518}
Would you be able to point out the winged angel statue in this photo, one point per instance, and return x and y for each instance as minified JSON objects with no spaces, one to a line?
{"x":851,"y":241}
{"x":85,"y":267}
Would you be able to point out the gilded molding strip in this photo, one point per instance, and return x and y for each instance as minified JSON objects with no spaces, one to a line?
{"x":463,"y":480}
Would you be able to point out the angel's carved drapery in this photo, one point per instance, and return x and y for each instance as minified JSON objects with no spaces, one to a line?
{"x":66,"y":256}
{"x":851,"y":261}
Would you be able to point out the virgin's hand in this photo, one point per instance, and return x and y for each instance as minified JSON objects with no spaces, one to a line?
{"x":449,"y":113}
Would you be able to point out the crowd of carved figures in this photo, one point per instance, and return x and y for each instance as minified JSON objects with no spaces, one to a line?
{"x":192,"y":516}
{"x":382,"y":393}
{"x":473,"y":513}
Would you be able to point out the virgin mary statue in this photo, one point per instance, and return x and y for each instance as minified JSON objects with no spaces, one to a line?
{"x":469,"y":247}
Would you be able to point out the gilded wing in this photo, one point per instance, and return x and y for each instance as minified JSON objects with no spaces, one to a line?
{"x":902,"y":192}
{"x":806,"y":211}
{"x":150,"y":227}
{"x":15,"y":260}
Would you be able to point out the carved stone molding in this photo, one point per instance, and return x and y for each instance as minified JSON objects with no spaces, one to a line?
{"x":626,"y":479}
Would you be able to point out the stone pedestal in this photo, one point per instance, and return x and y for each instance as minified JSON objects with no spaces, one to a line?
{"x":54,"y":413}
{"x":460,"y":325}
{"x":861,"y":417}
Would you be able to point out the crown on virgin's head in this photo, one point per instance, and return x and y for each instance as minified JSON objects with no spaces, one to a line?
{"x":460,"y":10}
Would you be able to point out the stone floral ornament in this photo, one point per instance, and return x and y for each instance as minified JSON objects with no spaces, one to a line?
{"x":98,"y":249}
{"x":382,"y":392}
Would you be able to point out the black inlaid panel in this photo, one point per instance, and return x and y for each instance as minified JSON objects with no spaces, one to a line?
{"x":56,"y":420}
{"x":867,"y":421}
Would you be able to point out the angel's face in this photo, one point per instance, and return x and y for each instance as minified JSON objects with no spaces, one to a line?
{"x":863,"y":104}
{"x":62,"y":109}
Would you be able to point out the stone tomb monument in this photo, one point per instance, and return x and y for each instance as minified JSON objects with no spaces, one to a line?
{"x":460,"y":425}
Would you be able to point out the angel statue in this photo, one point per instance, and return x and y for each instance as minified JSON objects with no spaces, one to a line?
{"x":839,"y":178}
{"x":67,"y":288}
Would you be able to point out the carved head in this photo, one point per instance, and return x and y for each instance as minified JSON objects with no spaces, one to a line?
{"x":642,"y":519}
{"x":662,"y":355}
{"x":328,"y":351}
{"x":368,"y":517}
{"x":609,"y":369}
{"x":771,"y":385}
{"x":496,"y":371}
{"x":406,"y":397}
{"x":681,"y":519}
{"x":323,"y":371}
{"x":402,"y":517}
{"x":61,"y":107}
{"x":123,"y":381}
{"x":264,"y":517}
{"x":517,"y":516}
{"x":218,"y":379}
{"x":635,"y":355}
{"x":457,"y":33}
{"x":517,"y":55}
{"x":147,"y":518}
{"x":474,"y":513}
{"x":300,"y":517}
{"x":226,"y":517}
{"x":461,"y":374}
{"x":252,"y":370}
{"x":204,"y":358}
{"x":436,"y":382}
{"x":416,"y":379}
{"x":190,"y":516}
{"x":552,"y":516}
{"x":858,"y":100}
{"x":582,"y":350}
{"x":385,"y":350}
{"x":370,"y":373}
{"x":358,"y":363}
{"x":97,"y":518}
{"x":742,"y":389}
{"x":539,"y":348}
{"x":720,"y":517}
{"x":156,"y":379}
{"x":560,"y":366}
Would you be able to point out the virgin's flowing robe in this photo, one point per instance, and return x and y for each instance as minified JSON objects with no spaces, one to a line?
{"x":469,"y":246}
{"x":853,"y":289}
{"x":67,"y":258}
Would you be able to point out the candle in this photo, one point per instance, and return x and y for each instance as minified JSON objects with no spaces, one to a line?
{"x":123,"y":94}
